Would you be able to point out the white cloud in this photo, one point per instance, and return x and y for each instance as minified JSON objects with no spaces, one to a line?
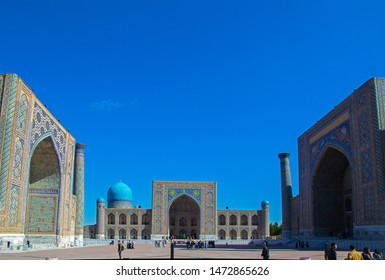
{"x":106,"y":105}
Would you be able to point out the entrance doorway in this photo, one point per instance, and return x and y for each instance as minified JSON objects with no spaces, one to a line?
{"x":184,"y":218}
{"x":332,"y":190}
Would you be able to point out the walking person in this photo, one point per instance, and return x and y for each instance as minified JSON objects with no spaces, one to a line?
{"x":265,"y":251}
{"x":120,"y":249}
{"x":332,"y":253}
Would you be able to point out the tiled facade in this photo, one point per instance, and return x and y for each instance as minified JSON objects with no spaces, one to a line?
{"x":36,"y":170}
{"x":342,"y":171}
{"x":182,"y":209}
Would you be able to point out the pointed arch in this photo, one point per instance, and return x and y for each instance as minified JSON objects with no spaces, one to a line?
{"x":332,"y":194}
{"x":43,"y":189}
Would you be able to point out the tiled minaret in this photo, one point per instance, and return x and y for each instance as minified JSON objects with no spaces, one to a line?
{"x":287,"y":194}
{"x":79,"y":192}
{"x":100,"y":216}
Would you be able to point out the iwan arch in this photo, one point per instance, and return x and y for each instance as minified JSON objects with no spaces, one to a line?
{"x":41,"y":173}
{"x":341,"y":171}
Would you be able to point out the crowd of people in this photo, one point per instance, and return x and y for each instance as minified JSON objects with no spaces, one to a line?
{"x":200,"y":244}
{"x":353,"y":254}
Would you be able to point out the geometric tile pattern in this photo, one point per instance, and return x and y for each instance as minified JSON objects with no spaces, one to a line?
{"x":176,"y":192}
{"x":36,"y":178}
{"x":79,"y":188}
{"x":13,"y":206}
{"x":42,"y":214}
{"x":42,"y":126}
{"x":17,"y":158}
{"x":22,"y":113}
{"x":6,"y":127}
{"x":338,"y":137}
{"x":166,"y":192}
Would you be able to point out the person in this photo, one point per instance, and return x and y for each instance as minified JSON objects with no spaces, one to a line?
{"x":377,"y":255}
{"x":353,"y":254}
{"x":332,"y":253}
{"x":120,"y":249}
{"x":28,"y":244}
{"x":326,"y":249}
{"x":366,"y":254}
{"x":265,"y":251}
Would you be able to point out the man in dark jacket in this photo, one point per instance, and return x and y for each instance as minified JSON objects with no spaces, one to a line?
{"x":332,"y":254}
{"x":265,"y":252}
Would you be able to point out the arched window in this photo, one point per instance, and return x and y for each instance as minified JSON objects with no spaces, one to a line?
{"x":244,"y":234}
{"x":172,"y":221}
{"x":222,"y":220}
{"x":122,"y":234}
{"x":145,"y":219}
{"x":222,"y":234}
{"x":122,"y":219}
{"x":233,"y":234}
{"x":111,"y":233}
{"x":254,"y":234}
{"x":244,"y":221}
{"x":145,"y":234}
{"x":233,"y":220}
{"x":111,"y":219}
{"x":134,"y":234}
{"x":134,"y":219}
{"x":254,"y":220}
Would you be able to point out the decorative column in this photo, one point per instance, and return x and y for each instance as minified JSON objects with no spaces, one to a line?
{"x":286,"y":193}
{"x":79,"y":192}
{"x":265,"y":219}
{"x":100,"y":218}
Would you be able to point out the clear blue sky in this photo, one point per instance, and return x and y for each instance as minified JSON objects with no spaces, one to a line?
{"x":191,"y":90}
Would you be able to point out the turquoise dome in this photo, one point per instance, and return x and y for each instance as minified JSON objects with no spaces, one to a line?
{"x":119,"y":192}
{"x":265,"y":202}
{"x":100,"y":200}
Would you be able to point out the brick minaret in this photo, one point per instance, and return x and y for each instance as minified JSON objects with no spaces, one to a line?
{"x":286,"y":193}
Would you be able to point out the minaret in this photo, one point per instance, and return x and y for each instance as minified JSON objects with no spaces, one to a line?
{"x":100,"y":218}
{"x":265,"y":219}
{"x":79,"y":192}
{"x":286,"y":193}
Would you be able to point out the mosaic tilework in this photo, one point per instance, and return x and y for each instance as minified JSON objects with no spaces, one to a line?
{"x":382,"y":91}
{"x":79,"y":188}
{"x":173,"y":193}
{"x":13,"y":206}
{"x":42,"y":214}
{"x":366,"y":167}
{"x":43,"y":125}
{"x":166,"y":192}
{"x":17,"y":158}
{"x":338,"y":137}
{"x":6,"y":122}
{"x":1,"y":89}
{"x":22,"y":113}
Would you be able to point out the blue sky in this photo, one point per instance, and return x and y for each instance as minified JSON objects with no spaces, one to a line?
{"x":191,"y":90}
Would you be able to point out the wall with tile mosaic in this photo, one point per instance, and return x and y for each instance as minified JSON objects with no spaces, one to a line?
{"x":37,"y":168}
{"x":354,"y":132}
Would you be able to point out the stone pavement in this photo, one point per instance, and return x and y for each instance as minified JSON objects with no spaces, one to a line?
{"x":149,"y":251}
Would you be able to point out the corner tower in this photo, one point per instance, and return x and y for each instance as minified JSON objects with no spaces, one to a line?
{"x":286,"y":193}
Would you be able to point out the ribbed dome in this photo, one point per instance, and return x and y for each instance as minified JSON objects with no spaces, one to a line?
{"x":100,"y":200}
{"x":119,"y":192}
{"x":265,"y":202}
